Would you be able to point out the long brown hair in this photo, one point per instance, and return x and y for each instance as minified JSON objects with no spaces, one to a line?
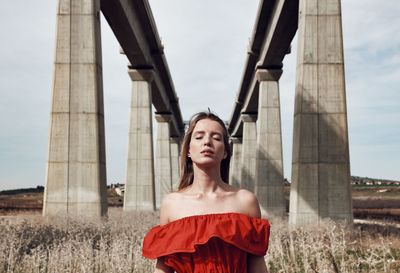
{"x":186,"y":177}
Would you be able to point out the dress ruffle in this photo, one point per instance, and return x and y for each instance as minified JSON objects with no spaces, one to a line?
{"x":183,"y":235}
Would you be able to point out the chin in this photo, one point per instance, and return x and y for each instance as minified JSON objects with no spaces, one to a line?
{"x":209,"y":162}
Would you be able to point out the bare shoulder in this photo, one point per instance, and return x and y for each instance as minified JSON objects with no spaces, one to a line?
{"x":171,"y":197}
{"x":249,"y":202}
{"x":167,"y":205}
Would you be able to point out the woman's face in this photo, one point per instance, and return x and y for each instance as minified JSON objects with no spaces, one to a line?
{"x":206,"y":146}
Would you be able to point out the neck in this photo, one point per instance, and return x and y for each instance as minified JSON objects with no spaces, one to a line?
{"x":206,"y":180}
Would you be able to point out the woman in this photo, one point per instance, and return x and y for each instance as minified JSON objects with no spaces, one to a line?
{"x":208,"y":225}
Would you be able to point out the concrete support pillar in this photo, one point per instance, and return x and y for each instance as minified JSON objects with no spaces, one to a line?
{"x":235,"y":168}
{"x":163,"y":158}
{"x":175,"y":169}
{"x":249,"y":152}
{"x":140,"y":186}
{"x":76,"y":166}
{"x":269,"y":175}
{"x":320,"y":166}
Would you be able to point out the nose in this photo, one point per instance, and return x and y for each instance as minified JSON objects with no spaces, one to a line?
{"x":207,"y":140}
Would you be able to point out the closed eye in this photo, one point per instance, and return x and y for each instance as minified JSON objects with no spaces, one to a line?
{"x":198,"y":136}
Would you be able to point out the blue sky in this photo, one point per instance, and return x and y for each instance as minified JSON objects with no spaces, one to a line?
{"x":205,"y":45}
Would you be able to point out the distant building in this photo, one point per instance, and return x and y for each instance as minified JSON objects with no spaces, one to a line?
{"x":119,"y":188}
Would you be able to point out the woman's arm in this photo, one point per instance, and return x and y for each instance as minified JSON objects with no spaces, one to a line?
{"x":164,"y":219}
{"x":256,"y":264}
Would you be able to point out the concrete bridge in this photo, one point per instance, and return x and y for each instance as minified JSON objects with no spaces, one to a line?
{"x":76,"y":167}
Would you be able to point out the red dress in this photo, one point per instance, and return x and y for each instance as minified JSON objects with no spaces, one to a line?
{"x":208,"y":243}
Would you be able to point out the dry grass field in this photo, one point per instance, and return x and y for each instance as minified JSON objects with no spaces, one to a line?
{"x":30,"y":243}
{"x":31,"y":200}
{"x":376,"y":202}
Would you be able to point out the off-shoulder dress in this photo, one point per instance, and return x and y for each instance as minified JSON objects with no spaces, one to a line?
{"x":208,"y":243}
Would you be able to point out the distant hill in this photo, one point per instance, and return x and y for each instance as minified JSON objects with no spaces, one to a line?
{"x":38,"y":189}
{"x":355,"y":180}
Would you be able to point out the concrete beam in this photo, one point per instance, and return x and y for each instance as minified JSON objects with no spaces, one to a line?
{"x":235,"y":169}
{"x":76,"y":166}
{"x":134,"y":27}
{"x":269,"y":174}
{"x":163,"y":158}
{"x":249,"y":152}
{"x":140,"y":184}
{"x":320,"y":163}
{"x":175,"y":168}
{"x":274,"y":30}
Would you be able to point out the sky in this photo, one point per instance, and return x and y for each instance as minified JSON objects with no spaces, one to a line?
{"x":205,"y":43}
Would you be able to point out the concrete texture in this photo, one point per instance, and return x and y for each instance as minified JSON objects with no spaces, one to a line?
{"x":163,"y":158}
{"x":76,"y":166}
{"x":320,"y":165}
{"x":249,"y":152}
{"x":140,"y":185}
{"x":175,"y":169}
{"x":134,"y":27}
{"x":269,"y":173}
{"x":271,"y":39}
{"x":235,"y":168}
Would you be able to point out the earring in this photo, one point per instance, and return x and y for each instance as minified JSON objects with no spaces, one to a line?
{"x":188,"y":155}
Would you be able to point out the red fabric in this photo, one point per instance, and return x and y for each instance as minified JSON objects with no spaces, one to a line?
{"x":208,"y":243}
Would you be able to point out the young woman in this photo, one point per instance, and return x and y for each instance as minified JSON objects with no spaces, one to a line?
{"x":208,"y":225}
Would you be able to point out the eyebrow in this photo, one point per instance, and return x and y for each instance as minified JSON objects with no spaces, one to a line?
{"x":203,"y":132}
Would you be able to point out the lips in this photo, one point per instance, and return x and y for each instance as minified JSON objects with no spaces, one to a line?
{"x":207,"y":151}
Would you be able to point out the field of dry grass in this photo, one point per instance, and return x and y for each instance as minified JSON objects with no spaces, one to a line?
{"x":30,"y":243}
{"x":376,"y":202}
{"x":33,"y":201}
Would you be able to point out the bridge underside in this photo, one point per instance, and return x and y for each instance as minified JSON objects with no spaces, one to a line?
{"x":320,"y":170}
{"x":76,"y":167}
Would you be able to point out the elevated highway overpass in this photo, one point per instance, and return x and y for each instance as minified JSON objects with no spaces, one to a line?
{"x":76,"y":166}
